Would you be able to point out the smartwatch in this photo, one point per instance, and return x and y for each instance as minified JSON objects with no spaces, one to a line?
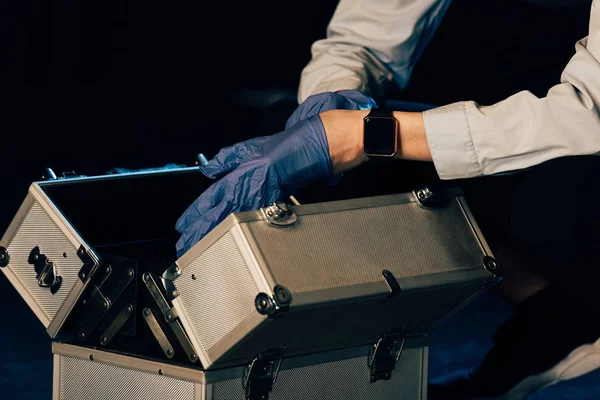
{"x":381,"y":129}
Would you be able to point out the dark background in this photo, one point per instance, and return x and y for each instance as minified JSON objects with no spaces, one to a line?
{"x":92,"y":85}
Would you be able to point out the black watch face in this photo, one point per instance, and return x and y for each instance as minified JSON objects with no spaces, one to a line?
{"x":380,"y":136}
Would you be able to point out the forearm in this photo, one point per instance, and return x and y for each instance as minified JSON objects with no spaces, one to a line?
{"x":469,"y":140}
{"x":371,"y":45}
{"x":344,"y":131}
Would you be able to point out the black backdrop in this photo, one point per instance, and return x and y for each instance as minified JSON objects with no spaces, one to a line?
{"x":88,"y":86}
{"x":93,"y":85}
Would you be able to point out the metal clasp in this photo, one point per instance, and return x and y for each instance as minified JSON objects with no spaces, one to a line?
{"x":431,"y":199}
{"x":46,"y":272}
{"x":384,"y":355}
{"x":278,"y":214}
{"x":261,"y":374}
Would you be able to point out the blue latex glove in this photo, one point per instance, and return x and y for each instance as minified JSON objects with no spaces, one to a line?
{"x":321,"y":102}
{"x":255,"y":173}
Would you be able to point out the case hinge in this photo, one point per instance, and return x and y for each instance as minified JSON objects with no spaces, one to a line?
{"x":158,"y":333}
{"x":108,"y":284}
{"x":170,"y":316}
{"x":88,"y":266}
{"x":260,"y":375}
{"x":384,"y":355}
{"x":278,"y":215}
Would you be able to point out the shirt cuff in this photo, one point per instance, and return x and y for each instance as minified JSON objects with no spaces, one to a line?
{"x":450,"y":142}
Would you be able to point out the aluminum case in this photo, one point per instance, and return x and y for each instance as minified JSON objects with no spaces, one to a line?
{"x":92,"y":374}
{"x":94,"y":257}
{"x":329,"y":275}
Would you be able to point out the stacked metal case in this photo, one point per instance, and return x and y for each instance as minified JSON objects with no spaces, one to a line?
{"x":325,"y":300}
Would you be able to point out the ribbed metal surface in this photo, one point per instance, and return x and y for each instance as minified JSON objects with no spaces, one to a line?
{"x":339,"y":380}
{"x":38,"y":229}
{"x":222,"y":293}
{"x":341,"y":248}
{"x":87,"y":380}
{"x":349,"y":324}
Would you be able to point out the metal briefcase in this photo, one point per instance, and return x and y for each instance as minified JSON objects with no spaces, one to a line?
{"x":329,"y":275}
{"x":51,"y":250}
{"x":92,"y":374}
{"x":94,"y":258}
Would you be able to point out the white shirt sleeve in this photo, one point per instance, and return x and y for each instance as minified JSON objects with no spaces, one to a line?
{"x":371,"y":44}
{"x":468,"y":140}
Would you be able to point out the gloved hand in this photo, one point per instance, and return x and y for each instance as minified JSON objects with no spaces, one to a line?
{"x":255,"y":173}
{"x":321,"y":102}
{"x":342,"y":100}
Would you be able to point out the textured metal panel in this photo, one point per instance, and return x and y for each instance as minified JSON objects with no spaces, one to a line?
{"x":38,"y":229}
{"x":339,"y":380}
{"x":342,"y":248}
{"x":84,"y":379}
{"x":340,"y":326}
{"x":216,"y":291}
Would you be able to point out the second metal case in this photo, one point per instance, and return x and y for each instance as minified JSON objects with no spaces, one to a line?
{"x":92,"y":374}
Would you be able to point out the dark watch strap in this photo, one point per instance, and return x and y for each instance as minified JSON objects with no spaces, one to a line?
{"x":381,"y":112}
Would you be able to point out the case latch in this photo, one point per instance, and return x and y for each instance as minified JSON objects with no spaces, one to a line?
{"x":46,"y":272}
{"x":278,"y":214}
{"x":429,"y":198}
{"x":384,"y":355}
{"x":260,"y":375}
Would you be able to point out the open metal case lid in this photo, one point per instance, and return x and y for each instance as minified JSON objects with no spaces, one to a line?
{"x":49,"y":252}
{"x":314,"y":277}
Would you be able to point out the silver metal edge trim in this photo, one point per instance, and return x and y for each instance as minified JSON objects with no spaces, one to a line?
{"x":425,"y":373}
{"x":462,"y":203}
{"x":350,"y":204}
{"x":254,"y":260}
{"x":335,"y":205}
{"x":235,"y":336}
{"x":65,"y":309}
{"x":76,"y":240}
{"x":115,"y":176}
{"x":341,"y":293}
{"x":139,"y":364}
{"x":343,"y":205}
{"x":56,"y":377}
{"x":200,"y":391}
{"x":258,"y":256}
{"x":211,"y":237}
{"x":55,"y":214}
{"x":8,"y":272}
{"x":203,"y":356}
